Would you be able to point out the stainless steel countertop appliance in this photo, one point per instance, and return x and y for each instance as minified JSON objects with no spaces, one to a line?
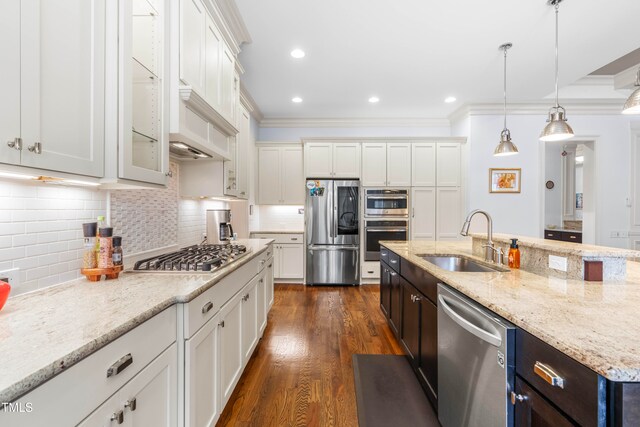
{"x":386,"y":202}
{"x":219,"y":229}
{"x":475,"y":363}
{"x":196,"y":258}
{"x":332,"y":232}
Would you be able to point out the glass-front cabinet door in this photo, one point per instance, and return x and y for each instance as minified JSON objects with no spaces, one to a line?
{"x":145,"y":154}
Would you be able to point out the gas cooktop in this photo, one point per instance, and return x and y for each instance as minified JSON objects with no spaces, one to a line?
{"x":196,"y":258}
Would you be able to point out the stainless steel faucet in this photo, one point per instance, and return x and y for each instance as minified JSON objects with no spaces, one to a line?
{"x":491,"y":254}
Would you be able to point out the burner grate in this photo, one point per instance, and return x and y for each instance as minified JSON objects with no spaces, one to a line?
{"x":193,"y":258}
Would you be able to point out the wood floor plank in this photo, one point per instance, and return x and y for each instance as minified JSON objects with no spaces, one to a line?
{"x":301,"y":373}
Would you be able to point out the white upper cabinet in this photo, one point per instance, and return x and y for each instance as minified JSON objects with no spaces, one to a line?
{"x":398,"y":164}
{"x":332,"y":159}
{"x":448,"y":213}
{"x":423,"y":164}
{"x":374,"y":164}
{"x":228,"y":84}
{"x":386,"y":164}
{"x":280,"y":176}
{"x":194,"y":39}
{"x":242,"y":152}
{"x":213,"y":50}
{"x":53,"y":84}
{"x":448,"y":167}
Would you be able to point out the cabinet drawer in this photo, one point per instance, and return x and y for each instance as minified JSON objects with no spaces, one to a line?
{"x":370,"y":270}
{"x":384,"y":254}
{"x":86,"y":383}
{"x":583,"y":392}
{"x":569,"y":236}
{"x":394,"y":261}
{"x":199,"y":310}
{"x":280,"y":238}
{"x":552,"y":235}
{"x":423,"y":281}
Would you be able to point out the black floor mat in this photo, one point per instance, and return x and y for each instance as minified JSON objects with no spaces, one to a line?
{"x":388,"y":393}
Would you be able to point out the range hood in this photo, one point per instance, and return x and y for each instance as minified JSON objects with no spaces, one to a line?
{"x":182,"y":151}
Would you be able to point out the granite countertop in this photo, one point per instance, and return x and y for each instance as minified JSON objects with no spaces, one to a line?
{"x":44,"y":332}
{"x":579,"y":249}
{"x":591,"y":322}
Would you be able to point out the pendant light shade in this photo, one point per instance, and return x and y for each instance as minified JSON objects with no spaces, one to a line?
{"x":557,"y":128}
{"x":632,"y":106}
{"x":505,"y":147}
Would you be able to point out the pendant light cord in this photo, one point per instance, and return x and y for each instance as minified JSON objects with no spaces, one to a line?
{"x":505,"y":89}
{"x":557,"y":8}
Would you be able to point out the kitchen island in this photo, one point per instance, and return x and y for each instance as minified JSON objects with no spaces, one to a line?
{"x":593,"y":323}
{"x":47,"y":334}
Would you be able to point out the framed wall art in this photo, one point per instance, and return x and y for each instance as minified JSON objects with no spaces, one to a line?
{"x":504,"y":180}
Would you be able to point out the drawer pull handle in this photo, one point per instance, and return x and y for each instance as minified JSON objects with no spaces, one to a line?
{"x":294,"y":238}
{"x":394,"y":274}
{"x":131,"y":404}
{"x":548,"y":374}
{"x":207,"y":307}
{"x":572,"y":237}
{"x":515,"y":398}
{"x":118,"y":417}
{"x":120,"y":365}
{"x":393,"y":261}
{"x":370,"y":271}
{"x":270,"y":265}
{"x":221,"y":324}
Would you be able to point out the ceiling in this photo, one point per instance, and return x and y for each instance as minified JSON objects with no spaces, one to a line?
{"x":412,"y":54}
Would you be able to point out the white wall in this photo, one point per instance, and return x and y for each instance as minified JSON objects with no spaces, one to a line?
{"x":523,"y":213}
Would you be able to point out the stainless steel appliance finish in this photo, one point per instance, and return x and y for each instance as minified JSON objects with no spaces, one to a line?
{"x":475,"y":363}
{"x":382,"y":229}
{"x":386,"y":202}
{"x":219,"y":229}
{"x":196,"y":258}
{"x":332,"y":232}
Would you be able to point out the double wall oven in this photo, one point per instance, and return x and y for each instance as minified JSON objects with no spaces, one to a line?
{"x":386,"y":218}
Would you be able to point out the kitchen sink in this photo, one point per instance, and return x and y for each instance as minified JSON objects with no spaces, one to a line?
{"x":459,"y":263}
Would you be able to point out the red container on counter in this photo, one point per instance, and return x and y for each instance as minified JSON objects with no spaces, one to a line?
{"x":5,"y":289}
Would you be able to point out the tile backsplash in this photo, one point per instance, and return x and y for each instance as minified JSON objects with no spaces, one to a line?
{"x":41,"y":225}
{"x":279,"y":218}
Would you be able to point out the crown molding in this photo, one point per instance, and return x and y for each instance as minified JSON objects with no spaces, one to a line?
{"x":573,"y":107}
{"x":192,"y":99}
{"x":249,"y":103}
{"x":233,"y":18}
{"x":353,"y":122}
{"x":626,"y":79}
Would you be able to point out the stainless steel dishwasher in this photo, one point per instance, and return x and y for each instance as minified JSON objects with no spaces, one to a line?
{"x":475,"y":363}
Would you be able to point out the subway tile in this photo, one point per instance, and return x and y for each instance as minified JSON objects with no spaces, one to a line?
{"x":69,"y":275}
{"x":11,"y":254}
{"x":37,"y":273}
{"x":25,"y":239}
{"x":26,"y":263}
{"x":8,"y":229}
{"x":58,"y":247}
{"x":48,"y":259}
{"x":35,"y":250}
{"x":47,"y":237}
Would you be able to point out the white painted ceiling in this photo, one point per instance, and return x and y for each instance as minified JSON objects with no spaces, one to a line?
{"x":414,"y":53}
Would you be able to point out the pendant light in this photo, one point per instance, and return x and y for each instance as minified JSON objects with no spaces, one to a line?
{"x":557,"y":128}
{"x":632,"y":106}
{"x":505,"y":147}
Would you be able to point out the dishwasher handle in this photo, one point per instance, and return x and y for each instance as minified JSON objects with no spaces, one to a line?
{"x":486,"y":336}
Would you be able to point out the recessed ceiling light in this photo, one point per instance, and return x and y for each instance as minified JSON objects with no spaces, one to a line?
{"x":297,"y":53}
{"x":296,"y":99}
{"x":450,"y":99}
{"x":374,"y":99}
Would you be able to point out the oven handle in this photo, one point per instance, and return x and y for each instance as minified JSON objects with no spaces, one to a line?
{"x":382,"y":230}
{"x":387,"y":197}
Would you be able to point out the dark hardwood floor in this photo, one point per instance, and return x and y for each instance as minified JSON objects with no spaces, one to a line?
{"x":301,"y":373}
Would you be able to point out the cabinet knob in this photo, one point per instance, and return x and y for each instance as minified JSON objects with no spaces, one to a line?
{"x":221,"y":324}
{"x":16,"y":143}
{"x":515,"y":398}
{"x":36,"y":148}
{"x":169,"y":174}
{"x":131,"y":404}
{"x":118,"y":417}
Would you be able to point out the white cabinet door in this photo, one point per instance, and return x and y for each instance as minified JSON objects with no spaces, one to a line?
{"x":262,"y":301}
{"x":213,"y":64}
{"x":448,"y":213}
{"x":242,"y":151}
{"x":269,"y":187}
{"x":151,"y":397}
{"x":291,"y":261}
{"x":193,"y":23}
{"x":9,"y":80}
{"x":277,"y":260}
{"x":423,"y":164}
{"x":423,"y":213}
{"x":227,"y":83}
{"x":202,"y":401}
{"x":148,"y":399}
{"x":292,"y":176}
{"x":249,"y":319}
{"x":374,"y":164}
{"x":346,"y":160}
{"x":449,"y":168}
{"x":230,"y":346}
{"x":62,"y":108}
{"x":269,"y":286}
{"x":318,"y":160}
{"x":399,"y":164}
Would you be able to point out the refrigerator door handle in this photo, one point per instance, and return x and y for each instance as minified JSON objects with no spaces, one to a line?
{"x":335,"y":219}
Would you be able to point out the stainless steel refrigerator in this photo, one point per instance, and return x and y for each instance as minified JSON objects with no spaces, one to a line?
{"x":332,"y":232}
